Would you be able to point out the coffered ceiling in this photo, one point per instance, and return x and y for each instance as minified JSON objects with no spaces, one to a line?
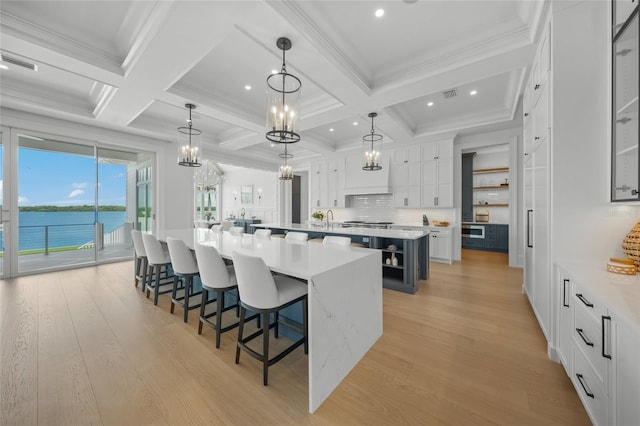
{"x":132,"y":65}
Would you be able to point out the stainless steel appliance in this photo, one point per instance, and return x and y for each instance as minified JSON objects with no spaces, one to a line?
{"x":472,"y":231}
{"x":366,"y":224}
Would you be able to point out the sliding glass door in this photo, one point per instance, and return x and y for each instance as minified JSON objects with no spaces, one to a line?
{"x":74,"y":203}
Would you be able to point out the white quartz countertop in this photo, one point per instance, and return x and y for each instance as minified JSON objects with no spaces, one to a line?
{"x":621,"y":293}
{"x":337,"y":229}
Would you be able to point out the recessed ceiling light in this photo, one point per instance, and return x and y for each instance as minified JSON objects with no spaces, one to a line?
{"x":274,"y":71}
{"x":473,"y":92}
{"x":4,"y":67}
{"x":247,"y":87}
{"x":429,"y":104}
{"x":331,"y":129}
{"x":379,"y":13}
{"x":355,"y":123}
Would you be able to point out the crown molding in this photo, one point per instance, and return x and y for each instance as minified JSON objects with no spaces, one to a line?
{"x":52,"y":40}
{"x":101,"y":94}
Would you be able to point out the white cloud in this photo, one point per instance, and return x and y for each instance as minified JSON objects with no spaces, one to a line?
{"x":75,"y":193}
{"x":80,"y":185}
{"x":22,"y":200}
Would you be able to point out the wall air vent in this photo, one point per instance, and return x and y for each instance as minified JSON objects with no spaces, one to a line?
{"x":451,"y":93}
{"x":18,"y":62}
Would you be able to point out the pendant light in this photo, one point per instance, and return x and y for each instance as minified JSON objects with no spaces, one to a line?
{"x":283,"y":98}
{"x":286,"y":172}
{"x":372,"y":144}
{"x":189,"y":147}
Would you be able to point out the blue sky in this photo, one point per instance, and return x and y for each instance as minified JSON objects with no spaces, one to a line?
{"x":50,"y":178}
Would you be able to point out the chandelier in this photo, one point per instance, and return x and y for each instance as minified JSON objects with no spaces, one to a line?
{"x":372,"y":144}
{"x":283,"y":97}
{"x":286,"y":172}
{"x":207,"y":177}
{"x":189,"y":147}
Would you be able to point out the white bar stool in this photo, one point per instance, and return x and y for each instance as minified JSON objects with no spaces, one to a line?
{"x":158,"y":257}
{"x":265,"y":294}
{"x":141,"y":262}
{"x":185,"y":268}
{"x":297,"y":236}
{"x":336,"y":240}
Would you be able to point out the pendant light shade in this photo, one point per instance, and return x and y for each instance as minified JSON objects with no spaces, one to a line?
{"x":207,"y":177}
{"x":283,"y":100}
{"x":189,"y":151}
{"x":286,"y":172}
{"x":372,"y":145}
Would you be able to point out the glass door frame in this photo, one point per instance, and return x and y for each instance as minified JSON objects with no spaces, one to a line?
{"x":10,"y":207}
{"x":7,"y":217}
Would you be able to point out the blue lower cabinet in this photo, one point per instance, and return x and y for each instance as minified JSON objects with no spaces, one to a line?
{"x":496,"y":238}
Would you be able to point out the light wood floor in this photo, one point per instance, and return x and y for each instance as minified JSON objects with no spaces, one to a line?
{"x":85,"y":347}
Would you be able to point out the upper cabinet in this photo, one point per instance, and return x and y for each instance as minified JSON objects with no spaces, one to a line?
{"x":437,"y":174}
{"x":625,"y":156}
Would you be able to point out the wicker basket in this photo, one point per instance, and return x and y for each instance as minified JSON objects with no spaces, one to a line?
{"x":631,"y":244}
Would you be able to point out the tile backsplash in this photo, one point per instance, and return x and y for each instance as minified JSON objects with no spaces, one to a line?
{"x":379,"y":207}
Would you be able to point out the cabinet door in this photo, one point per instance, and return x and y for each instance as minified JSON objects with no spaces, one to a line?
{"x":565,"y":323}
{"x":445,"y":182}
{"x":429,"y":183}
{"x":625,"y":352}
{"x":335,"y":183}
{"x":540,"y":232}
{"x":318,"y":184}
{"x":625,"y":153}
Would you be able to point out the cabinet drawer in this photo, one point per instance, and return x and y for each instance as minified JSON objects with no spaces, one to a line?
{"x":583,"y":297}
{"x":587,"y":334}
{"x":590,"y":388}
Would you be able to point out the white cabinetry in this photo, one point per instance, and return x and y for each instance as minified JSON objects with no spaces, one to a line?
{"x":537,"y":192}
{"x":406,"y":184}
{"x":599,"y":341}
{"x":440,"y":244}
{"x":437,"y":174}
{"x":335,"y":182}
{"x":565,"y":320}
{"x":318,"y":180}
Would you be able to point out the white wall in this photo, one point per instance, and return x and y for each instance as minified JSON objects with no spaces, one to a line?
{"x":264,"y":208}
{"x":585,"y":225}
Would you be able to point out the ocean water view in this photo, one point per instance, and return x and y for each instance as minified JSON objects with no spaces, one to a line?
{"x":68,"y":228}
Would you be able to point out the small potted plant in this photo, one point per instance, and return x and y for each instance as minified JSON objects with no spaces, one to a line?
{"x":317,"y":216}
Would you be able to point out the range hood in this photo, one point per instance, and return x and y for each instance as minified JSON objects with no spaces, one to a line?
{"x":361,"y":182}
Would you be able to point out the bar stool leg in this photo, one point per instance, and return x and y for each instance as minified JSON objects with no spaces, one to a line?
{"x":219,"y":307}
{"x":174,"y":292}
{"x":265,"y":347}
{"x":188,"y":281}
{"x":243,"y":312}
{"x":203,"y":305}
{"x":156,"y":289}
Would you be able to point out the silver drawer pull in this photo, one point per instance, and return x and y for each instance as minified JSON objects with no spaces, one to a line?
{"x":584,"y":338}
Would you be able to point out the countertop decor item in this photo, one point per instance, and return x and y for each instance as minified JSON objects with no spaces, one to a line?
{"x":425,"y":220}
{"x":317,"y":215}
{"x":631,"y":244}
{"x":440,"y":223}
{"x":621,"y":266}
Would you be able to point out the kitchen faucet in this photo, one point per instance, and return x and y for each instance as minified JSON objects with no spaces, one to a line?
{"x":328,"y":216}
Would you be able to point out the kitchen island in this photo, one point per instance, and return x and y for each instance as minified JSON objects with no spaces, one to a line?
{"x":409,"y":248}
{"x":345,"y":297}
